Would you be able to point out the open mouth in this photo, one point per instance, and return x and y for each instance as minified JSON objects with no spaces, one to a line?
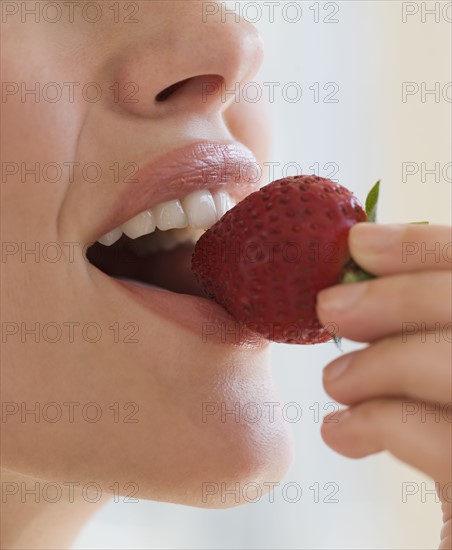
{"x":155,"y":248}
{"x":145,"y":255}
{"x":144,"y":260}
{"x":146,"y":237}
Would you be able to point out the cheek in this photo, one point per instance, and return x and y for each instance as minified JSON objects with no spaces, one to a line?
{"x":40,"y":125}
{"x":39,"y":117}
{"x":38,"y":145}
{"x":38,"y":142}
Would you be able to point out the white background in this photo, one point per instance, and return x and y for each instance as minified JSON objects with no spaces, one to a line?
{"x":369,"y":134}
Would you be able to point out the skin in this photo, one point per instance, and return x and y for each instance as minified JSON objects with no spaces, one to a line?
{"x":389,"y":386}
{"x":170,"y":452}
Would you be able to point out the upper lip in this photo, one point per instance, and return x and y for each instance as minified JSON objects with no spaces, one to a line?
{"x":179,"y":172}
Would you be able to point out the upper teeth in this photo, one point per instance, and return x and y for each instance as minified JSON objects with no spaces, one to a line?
{"x":200,"y":210}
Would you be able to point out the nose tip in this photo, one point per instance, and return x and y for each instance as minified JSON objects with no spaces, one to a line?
{"x":195,"y":61}
{"x":236,"y":47}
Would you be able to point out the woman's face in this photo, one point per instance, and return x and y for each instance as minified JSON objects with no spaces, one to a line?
{"x":128,"y":384}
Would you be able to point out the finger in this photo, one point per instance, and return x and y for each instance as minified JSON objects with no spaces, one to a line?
{"x":370,"y":310}
{"x":386,"y":249}
{"x":446,"y":532}
{"x":446,"y":536}
{"x":393,"y":367}
{"x":377,"y":425}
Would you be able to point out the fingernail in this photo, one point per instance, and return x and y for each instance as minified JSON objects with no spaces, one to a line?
{"x":375,"y":236}
{"x":341,"y":297}
{"x":336,"y":369}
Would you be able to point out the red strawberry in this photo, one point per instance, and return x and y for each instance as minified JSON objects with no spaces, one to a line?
{"x":268,"y":257}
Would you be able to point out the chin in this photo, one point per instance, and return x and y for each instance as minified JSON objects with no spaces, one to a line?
{"x":244,"y":473}
{"x":224,"y":461}
{"x":227,"y":478}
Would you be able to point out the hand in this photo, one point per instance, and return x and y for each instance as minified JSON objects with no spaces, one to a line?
{"x":398,"y":389}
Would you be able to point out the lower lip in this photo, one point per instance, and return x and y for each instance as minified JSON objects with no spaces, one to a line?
{"x":205,"y":318}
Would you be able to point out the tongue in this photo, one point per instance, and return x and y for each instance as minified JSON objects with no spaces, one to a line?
{"x":169,"y":270}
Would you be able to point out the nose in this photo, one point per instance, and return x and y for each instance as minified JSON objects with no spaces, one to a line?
{"x":186,"y":57}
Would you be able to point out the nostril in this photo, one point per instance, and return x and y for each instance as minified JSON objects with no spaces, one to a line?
{"x":202,"y":85}
{"x":168,"y":92}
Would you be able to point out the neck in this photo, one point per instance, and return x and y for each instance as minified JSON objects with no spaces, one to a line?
{"x":41,"y":514}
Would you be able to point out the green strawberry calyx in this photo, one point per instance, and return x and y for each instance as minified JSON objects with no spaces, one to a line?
{"x":353,"y":273}
{"x":372,"y":202}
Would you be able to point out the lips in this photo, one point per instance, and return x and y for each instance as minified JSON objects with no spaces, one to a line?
{"x":178,"y":173}
{"x":211,"y":166}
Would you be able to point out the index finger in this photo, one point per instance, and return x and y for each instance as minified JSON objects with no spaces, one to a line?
{"x":399,"y":248}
